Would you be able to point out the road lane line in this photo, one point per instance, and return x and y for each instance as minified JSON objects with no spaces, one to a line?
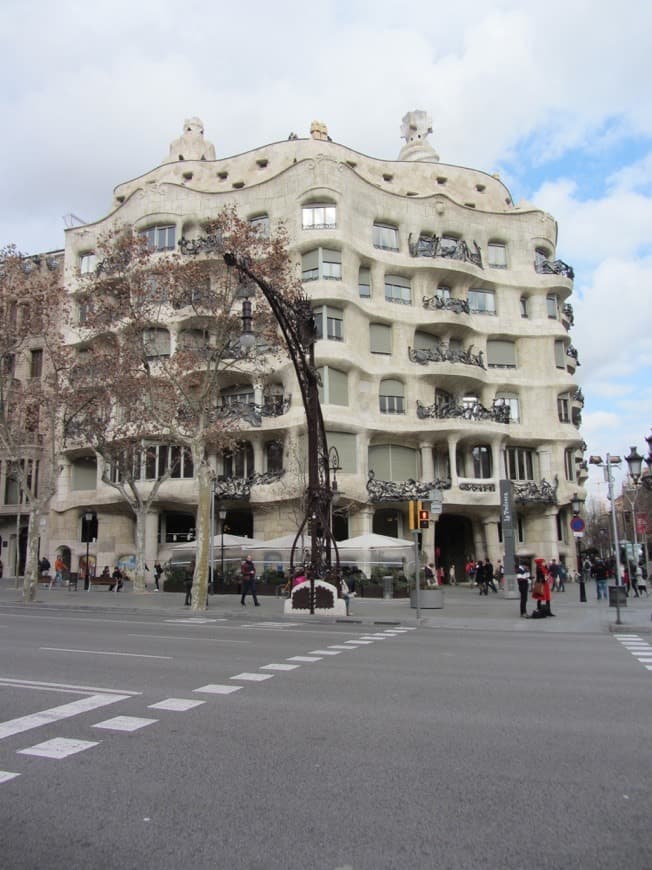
{"x":279,"y":667}
{"x":6,"y":775}
{"x":59,"y":747}
{"x":304,"y":659}
{"x":125,"y":723}
{"x":177,"y":705}
{"x":101,"y":652}
{"x":38,"y":684}
{"x":56,"y":714}
{"x":252,"y":678}
{"x":192,"y":637}
{"x":215,"y":689}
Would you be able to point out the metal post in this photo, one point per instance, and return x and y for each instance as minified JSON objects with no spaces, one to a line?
{"x":222,"y":516}
{"x":610,"y":484}
{"x":417,"y":590}
{"x":211,"y":585}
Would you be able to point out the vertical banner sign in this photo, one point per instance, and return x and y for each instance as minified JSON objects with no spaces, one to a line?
{"x":507,"y":524}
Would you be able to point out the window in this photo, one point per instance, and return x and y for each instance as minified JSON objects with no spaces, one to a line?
{"x":426,"y":341}
{"x":482,"y":301}
{"x":321,"y":263}
{"x":497,"y":255}
{"x":160,"y":238}
{"x":87,"y":263}
{"x":85,"y":309}
{"x":443,"y":293}
{"x":84,"y":473}
{"x":240,"y":461}
{"x":319,"y":217}
{"x":560,"y":354}
{"x":540,"y":256}
{"x":155,"y":291}
{"x":274,"y":456}
{"x":391,"y":396}
{"x":510,"y":400}
{"x":334,"y":386}
{"x":380,"y":338}
{"x":385,"y":237}
{"x":36,"y":363}
{"x":242,"y":394}
{"x":261,"y":224}
{"x":329,"y":323}
{"x":564,"y":408}
{"x":196,"y":340}
{"x":364,"y":283}
{"x":345,"y":444}
{"x":501,"y":354}
{"x":156,"y":342}
{"x":181,"y":464}
{"x":552,"y":306}
{"x":393,"y":462}
{"x":482,"y":461}
{"x":519,"y":463}
{"x":569,"y":464}
{"x":525,"y":311}
{"x":398,"y":290}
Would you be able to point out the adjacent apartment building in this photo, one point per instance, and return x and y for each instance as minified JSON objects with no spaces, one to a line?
{"x":444,"y":350}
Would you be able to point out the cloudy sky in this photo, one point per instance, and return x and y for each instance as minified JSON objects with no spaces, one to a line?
{"x":555,"y":96}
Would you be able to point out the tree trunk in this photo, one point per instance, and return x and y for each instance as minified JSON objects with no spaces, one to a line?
{"x":203,"y":533}
{"x":139,"y":577}
{"x":30,"y":578}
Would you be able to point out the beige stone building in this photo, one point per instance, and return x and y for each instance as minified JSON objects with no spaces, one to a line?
{"x":444,"y":348}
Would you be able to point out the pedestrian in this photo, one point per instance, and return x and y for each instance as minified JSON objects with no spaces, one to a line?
{"x":562,"y":577}
{"x":59,"y":568}
{"x":43,"y":566}
{"x":499,"y":574}
{"x":485,"y":577}
{"x":541,"y":591}
{"x":348,"y":592}
{"x":600,"y":572}
{"x":553,"y":571}
{"x":523,"y":579}
{"x":429,"y":572}
{"x":158,"y":573}
{"x":248,"y":570}
{"x":641,"y":582}
{"x":0,"y":569}
{"x":117,"y":578}
{"x":187,"y":583}
{"x":440,"y":575}
{"x":299,"y":576}
{"x":451,"y":575}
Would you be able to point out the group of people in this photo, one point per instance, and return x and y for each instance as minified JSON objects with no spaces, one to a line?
{"x":633,"y":576}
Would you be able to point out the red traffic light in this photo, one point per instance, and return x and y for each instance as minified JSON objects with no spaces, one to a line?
{"x":424,"y":519}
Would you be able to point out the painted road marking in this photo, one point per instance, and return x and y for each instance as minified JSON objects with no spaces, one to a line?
{"x":60,"y":747}
{"x":38,"y":684}
{"x":125,"y":723}
{"x":56,"y":714}
{"x":252,"y":678}
{"x":359,"y":642}
{"x":340,"y":646}
{"x":194,"y":620}
{"x":637,"y":647}
{"x":176,"y":704}
{"x":279,"y":667}
{"x":101,"y":652}
{"x":215,"y":689}
{"x":325,"y":652}
{"x":304,"y":659}
{"x":6,"y":775}
{"x":270,"y":625}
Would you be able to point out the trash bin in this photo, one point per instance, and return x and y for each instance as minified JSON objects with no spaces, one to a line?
{"x":617,"y":596}
{"x":388,"y":585}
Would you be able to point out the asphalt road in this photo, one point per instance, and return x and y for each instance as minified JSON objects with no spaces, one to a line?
{"x":413,"y":749}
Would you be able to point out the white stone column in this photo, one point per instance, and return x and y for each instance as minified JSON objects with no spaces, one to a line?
{"x":492,"y":542}
{"x":151,"y":539}
{"x":549,"y":536}
{"x":427,"y":461}
{"x":452,"y":453}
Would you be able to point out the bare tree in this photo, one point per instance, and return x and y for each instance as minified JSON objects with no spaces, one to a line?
{"x":33,"y":366}
{"x":159,"y":342}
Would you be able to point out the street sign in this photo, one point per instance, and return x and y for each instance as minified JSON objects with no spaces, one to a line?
{"x":577,"y":524}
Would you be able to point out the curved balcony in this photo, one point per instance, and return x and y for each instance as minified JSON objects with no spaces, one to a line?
{"x":469,"y":411}
{"x":446,"y":354}
{"x":447,"y":248}
{"x":554,"y":267}
{"x":440,"y":303}
{"x":402,"y":490}
{"x":531,"y":492}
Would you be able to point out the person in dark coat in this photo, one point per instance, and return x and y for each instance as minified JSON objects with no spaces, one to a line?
{"x":523,"y":579}
{"x":187,"y":583}
{"x":248,"y":570}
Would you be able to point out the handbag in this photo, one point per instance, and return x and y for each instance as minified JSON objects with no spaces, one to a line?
{"x":538,"y":590}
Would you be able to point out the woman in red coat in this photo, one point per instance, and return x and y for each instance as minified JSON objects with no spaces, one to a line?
{"x":541,"y":591}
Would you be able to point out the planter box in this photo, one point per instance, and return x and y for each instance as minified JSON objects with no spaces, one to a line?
{"x":432,"y":599}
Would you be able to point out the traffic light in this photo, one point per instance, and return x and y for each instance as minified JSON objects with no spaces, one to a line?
{"x":424,"y":519}
{"x":414,"y":512}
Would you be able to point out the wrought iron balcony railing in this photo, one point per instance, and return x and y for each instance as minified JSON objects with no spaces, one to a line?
{"x":531,"y":492}
{"x":239,"y":488}
{"x":445,"y":353}
{"x":466,"y":411}
{"x":446,"y":303}
{"x":554,"y":267}
{"x":469,"y":486}
{"x":402,"y":490}
{"x":451,"y":249}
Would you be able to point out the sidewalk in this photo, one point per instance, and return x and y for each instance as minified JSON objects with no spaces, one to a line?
{"x":463,"y":609}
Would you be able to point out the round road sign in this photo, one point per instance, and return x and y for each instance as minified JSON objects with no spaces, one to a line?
{"x":577,"y":524}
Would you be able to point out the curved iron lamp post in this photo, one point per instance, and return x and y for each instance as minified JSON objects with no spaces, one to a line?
{"x":576,"y":507}
{"x":297,"y":324}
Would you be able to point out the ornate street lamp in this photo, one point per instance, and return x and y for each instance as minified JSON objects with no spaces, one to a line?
{"x":297,"y":324}
{"x":635,"y":464}
{"x":88,"y":519}
{"x":222,"y":515}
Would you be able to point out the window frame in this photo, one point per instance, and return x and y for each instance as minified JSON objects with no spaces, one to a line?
{"x":314,"y":208}
{"x":382,"y":235}
{"x":158,"y":242}
{"x":392,"y":282}
{"x":478,"y":293}
{"x":494,"y":247}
